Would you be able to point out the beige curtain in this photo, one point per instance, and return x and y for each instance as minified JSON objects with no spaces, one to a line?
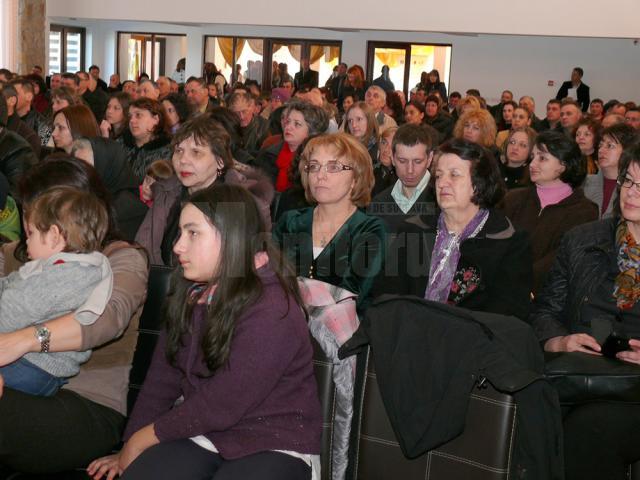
{"x":316,"y":53}
{"x":256,"y":45}
{"x":294,"y":50}
{"x":331,"y":54}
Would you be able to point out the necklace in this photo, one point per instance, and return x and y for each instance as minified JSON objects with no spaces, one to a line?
{"x":327,"y":230}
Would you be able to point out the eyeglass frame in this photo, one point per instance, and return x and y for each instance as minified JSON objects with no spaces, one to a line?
{"x":343,"y":167}
{"x":624,"y":179}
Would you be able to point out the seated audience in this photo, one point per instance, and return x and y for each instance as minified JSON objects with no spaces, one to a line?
{"x":110,"y":162}
{"x":85,"y":419}
{"x":254,"y":127}
{"x":66,"y":274}
{"x":414,"y":113}
{"x":515,"y":165}
{"x":360,"y":121}
{"x":158,"y":170}
{"x":469,"y":254}
{"x":477,"y":126}
{"x":412,"y":153}
{"x":16,"y":155}
{"x":554,"y":203}
{"x":63,"y":97}
{"x":13,"y":122}
{"x":437,"y":118}
{"x":521,"y":118}
{"x":587,"y":136}
{"x":239,"y":342}
{"x":570,"y":115}
{"x":116,"y":116}
{"x":197,"y":95}
{"x":72,"y":123}
{"x":201,"y":157}
{"x":632,"y":117}
{"x":301,"y":120}
{"x":552,"y":120}
{"x":335,"y":241}
{"x":34,"y":120}
{"x":383,"y":173}
{"x":376,"y":98}
{"x":599,"y":188}
{"x":592,"y":292}
{"x":146,"y":140}
{"x":177,"y":111}
{"x":596,"y":109}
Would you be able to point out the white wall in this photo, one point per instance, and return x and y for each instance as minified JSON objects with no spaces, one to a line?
{"x":593,"y":18}
{"x":490,"y":63}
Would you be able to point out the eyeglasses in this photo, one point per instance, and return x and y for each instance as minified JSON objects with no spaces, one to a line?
{"x":329,"y":167}
{"x":626,"y":182}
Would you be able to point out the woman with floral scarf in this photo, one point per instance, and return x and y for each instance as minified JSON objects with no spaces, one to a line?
{"x":468,"y":253}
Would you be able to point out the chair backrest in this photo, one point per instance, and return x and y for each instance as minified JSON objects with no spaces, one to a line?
{"x":148,"y":329}
{"x":482,"y":452}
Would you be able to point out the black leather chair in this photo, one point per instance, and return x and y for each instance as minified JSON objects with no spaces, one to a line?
{"x":482,"y":452}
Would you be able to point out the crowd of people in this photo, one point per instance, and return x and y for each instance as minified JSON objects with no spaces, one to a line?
{"x":438,"y":196}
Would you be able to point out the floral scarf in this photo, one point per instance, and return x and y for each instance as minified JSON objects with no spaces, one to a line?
{"x":627,"y":284}
{"x":446,"y":255}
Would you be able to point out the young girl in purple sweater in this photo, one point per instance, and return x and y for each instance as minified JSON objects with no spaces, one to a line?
{"x":230,"y":393}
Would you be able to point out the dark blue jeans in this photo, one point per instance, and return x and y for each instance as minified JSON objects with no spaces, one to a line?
{"x":24,"y":376}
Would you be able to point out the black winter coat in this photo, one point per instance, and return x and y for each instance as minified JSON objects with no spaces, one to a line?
{"x":587,"y":254}
{"x":16,"y":157}
{"x":500,"y":256}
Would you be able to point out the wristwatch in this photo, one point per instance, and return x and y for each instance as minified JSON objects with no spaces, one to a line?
{"x":43,"y":334}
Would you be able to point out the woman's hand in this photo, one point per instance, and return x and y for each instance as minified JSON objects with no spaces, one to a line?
{"x":138,"y":443}
{"x":576,"y":342}
{"x":14,"y":345}
{"x":105,"y":128}
{"x":633,"y":355}
{"x":109,"y":466}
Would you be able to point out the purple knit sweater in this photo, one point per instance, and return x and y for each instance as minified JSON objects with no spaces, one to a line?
{"x":265,"y":398}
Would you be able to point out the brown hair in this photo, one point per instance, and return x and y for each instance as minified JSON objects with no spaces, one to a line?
{"x":206,"y":131}
{"x":80,"y":216}
{"x":372,"y":123}
{"x":81,"y":121}
{"x":471,"y":101}
{"x":156,"y":109}
{"x":348,"y":149}
{"x":487,"y":124}
{"x":160,"y":170}
{"x":358,"y":72}
{"x":65,"y":93}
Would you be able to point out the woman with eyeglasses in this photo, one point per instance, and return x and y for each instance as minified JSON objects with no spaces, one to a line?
{"x":554,"y":203}
{"x":514,"y":166}
{"x":592,"y":292}
{"x":335,"y":241}
{"x":599,"y":188}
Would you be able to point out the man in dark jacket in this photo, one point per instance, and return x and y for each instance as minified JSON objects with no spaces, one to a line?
{"x":305,"y":77}
{"x":254,"y":127}
{"x":16,"y":156}
{"x":575,"y":89}
{"x":95,"y":97}
{"x":27,"y":113}
{"x":15,"y":124}
{"x":411,"y":195}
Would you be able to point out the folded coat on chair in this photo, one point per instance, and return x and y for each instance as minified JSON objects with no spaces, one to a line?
{"x":428,"y":357}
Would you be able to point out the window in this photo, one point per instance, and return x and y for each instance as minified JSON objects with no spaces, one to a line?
{"x":66,"y":49}
{"x":155,"y":54}
{"x":407,"y":61}
{"x":256,"y":56}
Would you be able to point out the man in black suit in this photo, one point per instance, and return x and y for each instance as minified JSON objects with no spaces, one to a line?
{"x":305,"y":77}
{"x":575,"y":89}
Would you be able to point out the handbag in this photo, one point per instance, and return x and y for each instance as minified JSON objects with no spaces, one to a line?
{"x":580,"y":378}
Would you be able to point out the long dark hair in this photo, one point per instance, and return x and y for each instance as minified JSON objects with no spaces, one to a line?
{"x":57,"y":170}
{"x":238,"y":284}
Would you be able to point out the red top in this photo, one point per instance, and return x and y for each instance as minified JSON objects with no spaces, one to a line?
{"x":609,"y":188}
{"x":283,"y":162}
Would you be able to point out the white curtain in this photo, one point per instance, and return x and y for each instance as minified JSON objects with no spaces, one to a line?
{"x":8,"y":32}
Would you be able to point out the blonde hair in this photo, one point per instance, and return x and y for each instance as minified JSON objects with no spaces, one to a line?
{"x":470,"y":101}
{"x":348,"y":149}
{"x":485,"y":120}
